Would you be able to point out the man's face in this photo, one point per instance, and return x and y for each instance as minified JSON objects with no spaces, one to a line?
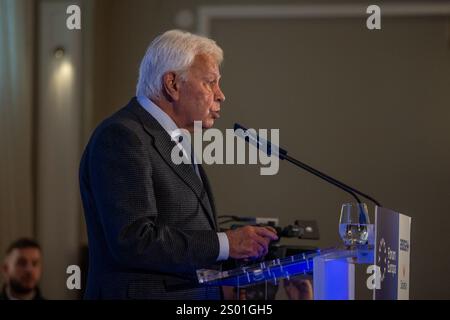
{"x":22,"y":269}
{"x":200,"y":95}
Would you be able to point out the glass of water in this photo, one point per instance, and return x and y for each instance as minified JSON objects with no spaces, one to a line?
{"x":354,"y":224}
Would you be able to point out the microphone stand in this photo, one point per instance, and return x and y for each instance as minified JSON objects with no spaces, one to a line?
{"x":282,"y":154}
{"x":331,"y":180}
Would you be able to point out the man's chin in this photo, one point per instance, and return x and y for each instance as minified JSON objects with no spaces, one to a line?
{"x":22,"y":288}
{"x":208,"y":124}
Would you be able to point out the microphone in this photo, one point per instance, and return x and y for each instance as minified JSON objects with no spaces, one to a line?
{"x":258,"y":142}
{"x":271,"y":149}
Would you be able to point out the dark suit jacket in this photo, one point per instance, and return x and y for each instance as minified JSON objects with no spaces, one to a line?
{"x":150,"y":223}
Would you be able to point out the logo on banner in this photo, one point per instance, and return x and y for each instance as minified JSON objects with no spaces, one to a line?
{"x":404,"y":245}
{"x":386,"y":263}
{"x":387,"y":259}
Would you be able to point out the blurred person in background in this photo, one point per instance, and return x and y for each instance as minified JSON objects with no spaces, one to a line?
{"x":299,"y":288}
{"x":22,"y":269}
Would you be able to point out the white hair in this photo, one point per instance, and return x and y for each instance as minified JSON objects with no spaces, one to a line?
{"x":172,"y":51}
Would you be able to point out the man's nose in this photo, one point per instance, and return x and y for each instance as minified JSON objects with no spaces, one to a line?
{"x":29,"y":268}
{"x":219,"y":95}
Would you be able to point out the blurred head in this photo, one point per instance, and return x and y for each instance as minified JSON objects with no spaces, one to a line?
{"x":22,"y":266}
{"x":180,"y":72}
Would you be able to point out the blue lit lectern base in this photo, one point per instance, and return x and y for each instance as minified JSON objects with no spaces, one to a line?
{"x":272,"y":271}
{"x":332,"y":269}
{"x":334,"y":272}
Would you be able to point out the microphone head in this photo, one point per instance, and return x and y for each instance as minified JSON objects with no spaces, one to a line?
{"x":254,"y":139}
{"x":238,"y":126}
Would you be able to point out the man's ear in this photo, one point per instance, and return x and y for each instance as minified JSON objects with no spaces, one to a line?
{"x":171,"y":86}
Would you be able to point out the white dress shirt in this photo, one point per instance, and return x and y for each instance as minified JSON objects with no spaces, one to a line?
{"x":175,"y":133}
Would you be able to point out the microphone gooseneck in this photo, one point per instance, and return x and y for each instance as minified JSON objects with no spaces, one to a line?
{"x":282,"y":154}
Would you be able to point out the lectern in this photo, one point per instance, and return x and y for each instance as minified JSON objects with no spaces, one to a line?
{"x":385,"y":257}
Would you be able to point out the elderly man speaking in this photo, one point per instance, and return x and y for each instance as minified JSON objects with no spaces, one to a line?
{"x":152,"y":223}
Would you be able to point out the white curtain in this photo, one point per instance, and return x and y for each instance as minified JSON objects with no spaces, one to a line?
{"x":16,"y":120}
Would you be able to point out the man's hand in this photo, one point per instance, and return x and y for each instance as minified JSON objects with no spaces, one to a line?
{"x":250,"y":242}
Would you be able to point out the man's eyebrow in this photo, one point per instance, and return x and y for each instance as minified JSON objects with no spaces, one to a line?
{"x":215,"y":75}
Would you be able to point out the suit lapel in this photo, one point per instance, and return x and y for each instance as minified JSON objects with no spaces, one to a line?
{"x":164,"y":145}
{"x":209,"y":192}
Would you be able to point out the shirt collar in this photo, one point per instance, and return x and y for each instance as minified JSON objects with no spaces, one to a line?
{"x":163,"y":118}
{"x":168,"y":124}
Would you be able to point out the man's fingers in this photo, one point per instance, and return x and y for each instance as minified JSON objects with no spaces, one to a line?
{"x":271,"y":229}
{"x":254,"y":250}
{"x":250,"y":241}
{"x":266,"y":232}
{"x":261,"y":240}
